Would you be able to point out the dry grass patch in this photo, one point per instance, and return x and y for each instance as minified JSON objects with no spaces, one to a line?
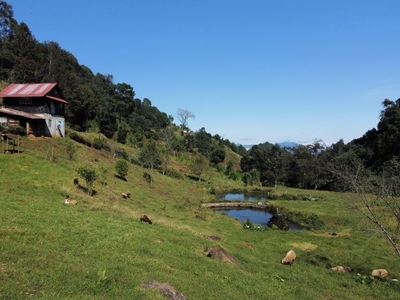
{"x":304,"y":246}
{"x":247,"y":245}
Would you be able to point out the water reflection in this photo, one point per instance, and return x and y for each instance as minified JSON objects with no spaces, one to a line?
{"x":260,"y":217}
{"x":242,"y":197}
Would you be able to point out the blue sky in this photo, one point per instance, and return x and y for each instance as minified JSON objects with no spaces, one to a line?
{"x":251,"y":71}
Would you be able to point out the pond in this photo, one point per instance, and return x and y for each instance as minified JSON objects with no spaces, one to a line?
{"x":260,"y":217}
{"x":244,"y":196}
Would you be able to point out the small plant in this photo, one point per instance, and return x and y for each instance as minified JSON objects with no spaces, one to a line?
{"x":71,"y":149}
{"x":213,"y":190}
{"x":148,"y":177}
{"x":102,"y":279}
{"x":251,"y":226}
{"x":103,"y":175}
{"x":365,"y":279}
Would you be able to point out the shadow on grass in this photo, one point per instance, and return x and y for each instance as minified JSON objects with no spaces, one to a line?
{"x":196,"y":178}
{"x":120,"y":177}
{"x":86,"y":190}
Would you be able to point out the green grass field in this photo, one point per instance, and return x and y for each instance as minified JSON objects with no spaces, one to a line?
{"x":99,"y":249}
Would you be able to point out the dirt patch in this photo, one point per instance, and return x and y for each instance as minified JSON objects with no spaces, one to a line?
{"x":212,"y":237}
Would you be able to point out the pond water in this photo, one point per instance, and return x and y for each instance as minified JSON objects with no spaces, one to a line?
{"x":242,"y":197}
{"x":260,"y":217}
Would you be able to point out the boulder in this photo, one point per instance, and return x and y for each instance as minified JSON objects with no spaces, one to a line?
{"x":220,"y":254}
{"x":166,"y":289}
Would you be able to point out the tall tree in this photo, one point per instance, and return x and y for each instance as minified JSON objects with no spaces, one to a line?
{"x":183,"y":116}
{"x":6,"y":20}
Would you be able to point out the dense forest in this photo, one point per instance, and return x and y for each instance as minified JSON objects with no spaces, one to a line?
{"x":97,"y":104}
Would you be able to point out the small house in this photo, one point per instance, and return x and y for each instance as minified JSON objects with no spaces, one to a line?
{"x":38,"y":107}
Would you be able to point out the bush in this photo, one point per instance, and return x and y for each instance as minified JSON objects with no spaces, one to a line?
{"x":314,"y":222}
{"x":122,"y":167}
{"x":71,"y":149}
{"x":100,"y":143}
{"x":90,"y":175}
{"x":16,"y":130}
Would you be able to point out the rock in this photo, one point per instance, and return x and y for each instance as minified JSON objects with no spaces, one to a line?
{"x":220,"y":254}
{"x":166,"y":289}
{"x":341,"y":269}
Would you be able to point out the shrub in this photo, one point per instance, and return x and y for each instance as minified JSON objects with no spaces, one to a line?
{"x":89,"y":175}
{"x":148,"y":177}
{"x":71,"y":149}
{"x":122,"y":167}
{"x":314,"y":222}
{"x":16,"y":130}
{"x":100,"y":143}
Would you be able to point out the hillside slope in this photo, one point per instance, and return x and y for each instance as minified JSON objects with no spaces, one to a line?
{"x":99,"y":249}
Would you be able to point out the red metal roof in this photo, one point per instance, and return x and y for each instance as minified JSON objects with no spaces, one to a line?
{"x":27,"y":90}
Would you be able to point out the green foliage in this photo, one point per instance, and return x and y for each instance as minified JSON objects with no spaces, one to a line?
{"x":249,"y":225}
{"x":100,"y":143}
{"x":213,"y":190}
{"x":103,"y":175}
{"x":149,"y":155}
{"x":148,"y":177}
{"x":217,"y":156}
{"x":71,"y":149}
{"x":122,"y":168}
{"x":198,"y":165}
{"x":314,"y":222}
{"x":251,"y":178}
{"x":89,"y":174}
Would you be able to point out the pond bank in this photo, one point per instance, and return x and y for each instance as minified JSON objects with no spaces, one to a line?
{"x":236,"y":204}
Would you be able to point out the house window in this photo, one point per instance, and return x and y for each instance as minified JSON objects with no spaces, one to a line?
{"x":25,"y":101}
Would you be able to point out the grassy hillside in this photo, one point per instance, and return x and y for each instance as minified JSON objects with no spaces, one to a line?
{"x":99,"y":249}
